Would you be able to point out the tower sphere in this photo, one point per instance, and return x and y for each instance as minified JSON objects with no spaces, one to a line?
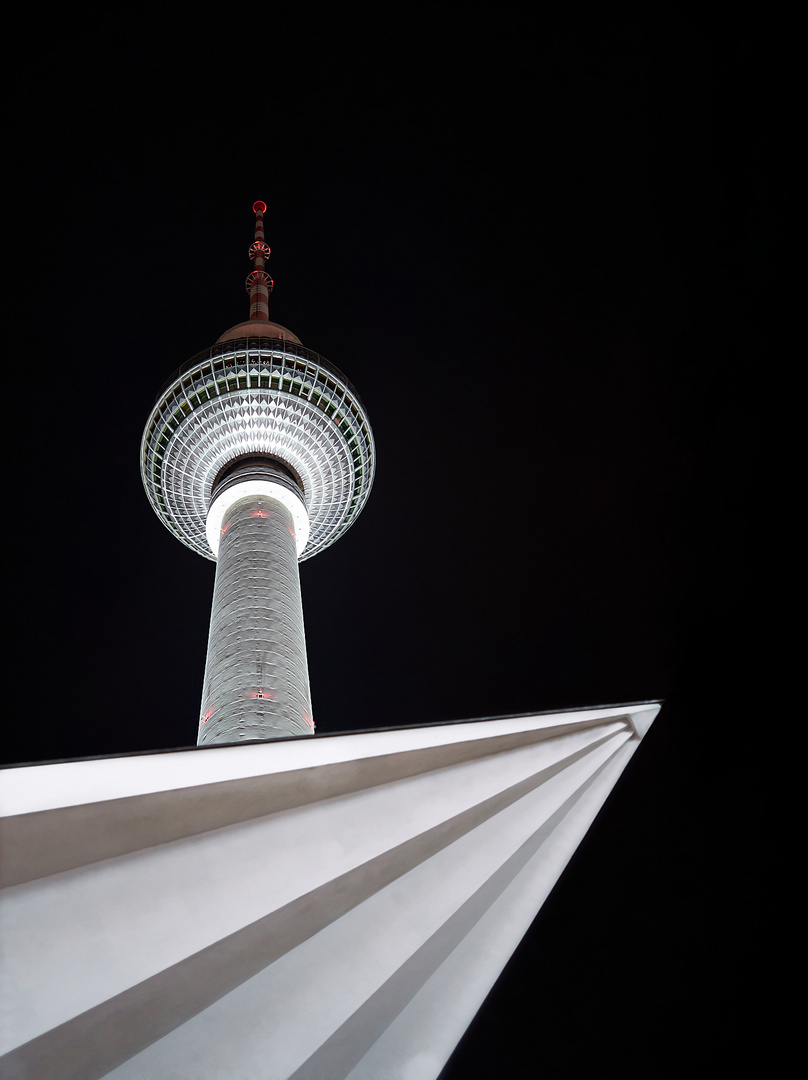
{"x":258,"y":392}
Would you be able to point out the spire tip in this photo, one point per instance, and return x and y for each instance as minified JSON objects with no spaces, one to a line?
{"x":259,"y":207}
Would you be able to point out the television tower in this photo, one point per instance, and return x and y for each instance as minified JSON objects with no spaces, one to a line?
{"x":258,"y":454}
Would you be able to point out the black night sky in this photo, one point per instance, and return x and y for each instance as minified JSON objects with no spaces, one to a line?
{"x":529,"y":243}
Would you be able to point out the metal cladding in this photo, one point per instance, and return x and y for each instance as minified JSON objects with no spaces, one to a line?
{"x":257,"y":395}
{"x":256,"y":676}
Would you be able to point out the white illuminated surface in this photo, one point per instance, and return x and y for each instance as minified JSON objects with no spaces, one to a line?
{"x":72,"y":783}
{"x":323,"y":906}
{"x":271,"y":398}
{"x":222,"y":503}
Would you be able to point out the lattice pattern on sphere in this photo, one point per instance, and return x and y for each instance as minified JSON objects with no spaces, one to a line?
{"x":254,"y":396}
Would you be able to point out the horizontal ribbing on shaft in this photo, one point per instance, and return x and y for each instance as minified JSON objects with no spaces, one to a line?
{"x":256,"y":676}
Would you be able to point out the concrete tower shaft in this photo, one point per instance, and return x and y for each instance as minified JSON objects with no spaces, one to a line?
{"x":256,"y":676}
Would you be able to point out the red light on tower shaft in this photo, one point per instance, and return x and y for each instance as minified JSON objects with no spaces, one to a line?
{"x":259,"y":207}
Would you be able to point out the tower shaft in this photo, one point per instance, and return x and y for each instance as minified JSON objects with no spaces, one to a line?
{"x":256,"y":675}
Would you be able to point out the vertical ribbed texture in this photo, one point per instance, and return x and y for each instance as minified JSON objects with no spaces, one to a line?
{"x":256,"y":675}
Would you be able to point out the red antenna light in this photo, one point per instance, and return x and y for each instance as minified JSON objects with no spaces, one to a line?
{"x":259,"y":207}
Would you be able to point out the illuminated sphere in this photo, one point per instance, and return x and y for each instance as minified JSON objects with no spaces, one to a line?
{"x":258,"y":391}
